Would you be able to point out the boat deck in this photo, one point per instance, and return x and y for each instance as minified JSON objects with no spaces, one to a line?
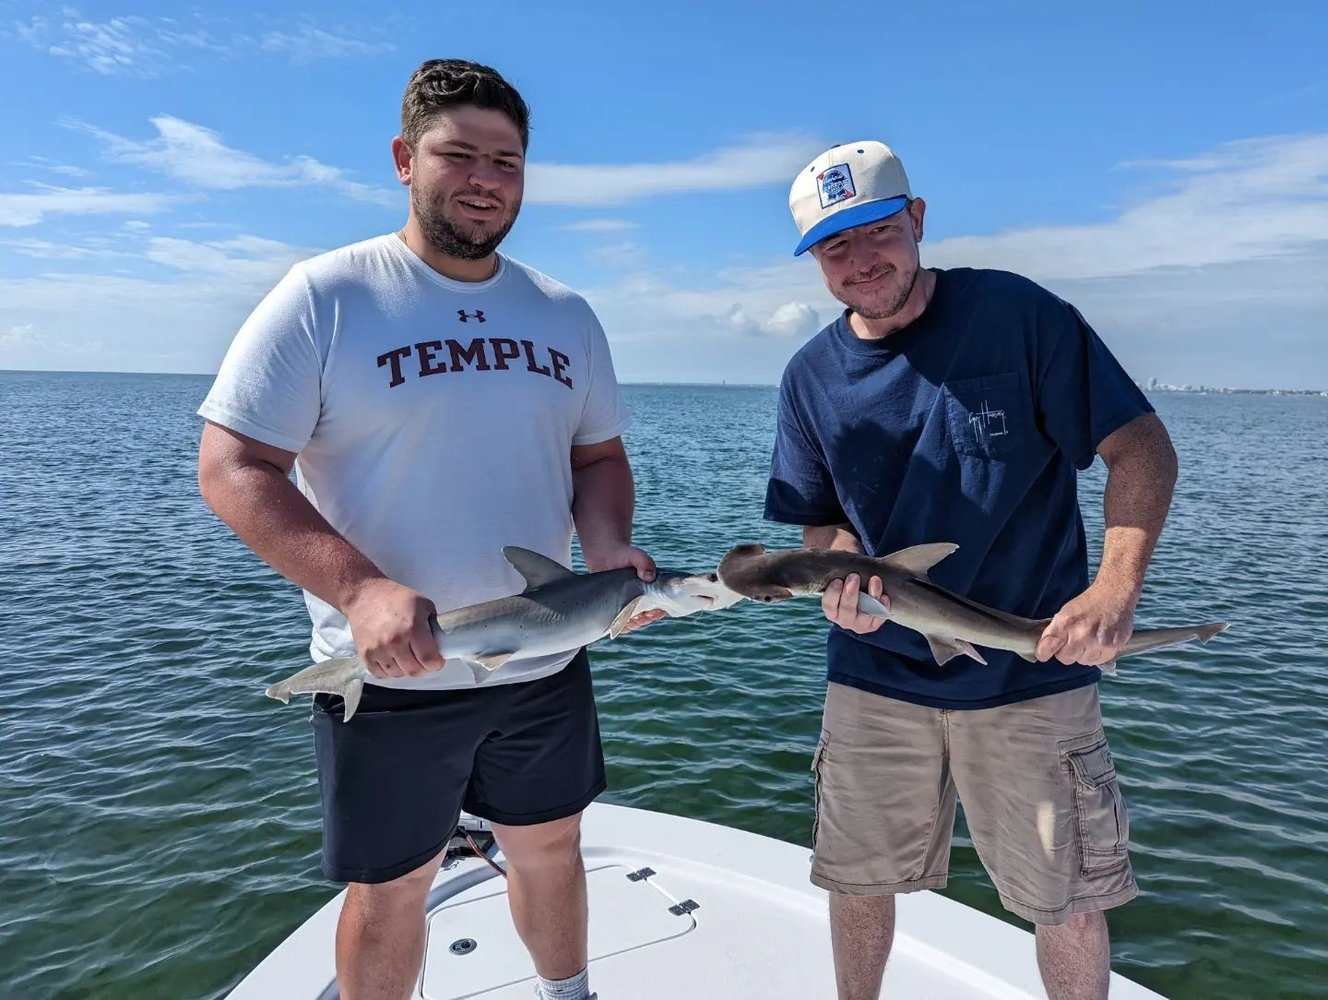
{"x":681,"y":908}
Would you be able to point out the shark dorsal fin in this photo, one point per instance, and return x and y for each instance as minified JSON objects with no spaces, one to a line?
{"x":917,"y":559}
{"x":744,"y":550}
{"x":537,"y":570}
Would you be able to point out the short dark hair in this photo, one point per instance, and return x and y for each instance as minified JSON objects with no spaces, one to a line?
{"x":440,"y":84}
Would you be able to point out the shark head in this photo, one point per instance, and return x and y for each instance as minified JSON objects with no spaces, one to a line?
{"x":744,"y":571}
{"x":686,"y":593}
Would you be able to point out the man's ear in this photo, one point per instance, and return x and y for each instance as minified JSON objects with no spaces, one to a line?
{"x":917,"y":209}
{"x":403,"y":159}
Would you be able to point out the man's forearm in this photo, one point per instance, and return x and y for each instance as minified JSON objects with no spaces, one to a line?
{"x":1140,"y":482}
{"x":271,"y":516}
{"x":603,"y":502}
{"x":835,"y":536}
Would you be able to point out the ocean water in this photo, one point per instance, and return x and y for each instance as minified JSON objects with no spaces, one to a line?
{"x":159,"y":825}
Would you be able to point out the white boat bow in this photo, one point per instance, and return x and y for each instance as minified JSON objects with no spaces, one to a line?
{"x":679,"y":908}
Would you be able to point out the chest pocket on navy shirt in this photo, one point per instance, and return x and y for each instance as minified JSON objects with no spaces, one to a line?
{"x":987,"y":417}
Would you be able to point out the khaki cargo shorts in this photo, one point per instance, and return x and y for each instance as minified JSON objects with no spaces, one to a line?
{"x":1037,"y":783}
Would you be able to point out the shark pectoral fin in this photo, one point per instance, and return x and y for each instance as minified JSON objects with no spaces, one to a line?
{"x":484,"y":664}
{"x":917,"y":559}
{"x":869,"y":605}
{"x":351,"y":696}
{"x":946,"y":649}
{"x":621,"y":619}
{"x":1030,"y":657}
{"x":492,"y":661}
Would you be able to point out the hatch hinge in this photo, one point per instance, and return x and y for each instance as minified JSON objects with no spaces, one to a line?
{"x":684,"y":908}
{"x":640,"y":875}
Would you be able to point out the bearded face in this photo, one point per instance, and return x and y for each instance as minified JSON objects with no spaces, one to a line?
{"x":448,"y":223}
{"x":873,"y":268}
{"x":466,"y":174}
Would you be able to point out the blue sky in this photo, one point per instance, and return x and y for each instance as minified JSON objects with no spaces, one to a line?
{"x":1163,"y":166}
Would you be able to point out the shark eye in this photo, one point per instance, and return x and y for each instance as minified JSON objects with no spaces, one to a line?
{"x":713,"y":577}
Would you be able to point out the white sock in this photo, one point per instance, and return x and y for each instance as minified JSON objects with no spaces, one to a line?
{"x":575,"y":988}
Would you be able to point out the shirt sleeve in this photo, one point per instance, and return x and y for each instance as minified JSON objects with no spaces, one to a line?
{"x":269,"y":386}
{"x":1083,"y":393}
{"x":604,"y":415}
{"x":800,"y":490}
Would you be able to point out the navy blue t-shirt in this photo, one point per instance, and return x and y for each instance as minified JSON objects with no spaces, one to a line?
{"x":965,"y":426}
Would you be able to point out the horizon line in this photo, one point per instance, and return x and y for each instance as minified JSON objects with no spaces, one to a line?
{"x":720,"y":383}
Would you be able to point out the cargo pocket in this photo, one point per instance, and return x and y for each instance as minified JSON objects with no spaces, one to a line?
{"x":818,"y":760}
{"x":987,"y":417}
{"x":1104,"y":827}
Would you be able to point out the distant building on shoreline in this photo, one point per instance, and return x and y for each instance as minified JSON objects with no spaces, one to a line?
{"x":1154,"y":385}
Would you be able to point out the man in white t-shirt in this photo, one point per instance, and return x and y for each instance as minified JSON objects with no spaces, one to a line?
{"x":438,"y":401}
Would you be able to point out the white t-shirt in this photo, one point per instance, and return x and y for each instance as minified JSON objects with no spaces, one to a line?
{"x":433,"y":420}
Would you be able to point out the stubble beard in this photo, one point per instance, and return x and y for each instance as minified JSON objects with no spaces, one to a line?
{"x":892,"y":307}
{"x":453,"y":240}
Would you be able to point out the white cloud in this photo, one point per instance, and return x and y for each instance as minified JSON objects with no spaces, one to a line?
{"x":307,"y":43}
{"x":599,"y":226}
{"x":197,"y":156}
{"x":147,"y":47}
{"x":182,"y":322}
{"x":49,"y":250}
{"x":792,"y":319}
{"x":760,"y":160}
{"x":626,"y":255}
{"x":1253,"y":200}
{"x":129,"y":46}
{"x":17,"y":335}
{"x":28,"y":209}
{"x":25,"y":341}
{"x":55,"y":167}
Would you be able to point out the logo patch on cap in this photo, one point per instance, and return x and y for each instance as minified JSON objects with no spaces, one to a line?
{"x":835,"y":184}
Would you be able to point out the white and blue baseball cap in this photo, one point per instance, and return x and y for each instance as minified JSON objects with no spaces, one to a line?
{"x":846,"y":186}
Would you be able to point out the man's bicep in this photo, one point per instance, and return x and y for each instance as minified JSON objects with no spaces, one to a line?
{"x":588,"y":454}
{"x":222,"y":449}
{"x":1144,"y":435}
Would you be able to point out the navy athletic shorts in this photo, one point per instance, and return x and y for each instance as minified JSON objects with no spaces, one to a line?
{"x":395,"y":778}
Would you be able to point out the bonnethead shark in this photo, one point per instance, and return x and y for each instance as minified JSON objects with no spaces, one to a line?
{"x":557,"y":612}
{"x":952,"y":624}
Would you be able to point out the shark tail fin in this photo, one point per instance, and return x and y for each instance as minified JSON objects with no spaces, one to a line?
{"x":341,"y":675}
{"x":351,"y":697}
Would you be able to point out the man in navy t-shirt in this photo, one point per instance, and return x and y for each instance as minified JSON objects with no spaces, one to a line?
{"x":956,"y":406}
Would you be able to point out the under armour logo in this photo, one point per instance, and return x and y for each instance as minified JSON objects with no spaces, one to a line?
{"x":467,"y":317}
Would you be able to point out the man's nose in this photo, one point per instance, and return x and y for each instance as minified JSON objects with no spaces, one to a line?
{"x":484,"y":174}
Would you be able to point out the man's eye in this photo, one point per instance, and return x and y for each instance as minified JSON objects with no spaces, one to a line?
{"x":505,"y":164}
{"x":457,"y":156}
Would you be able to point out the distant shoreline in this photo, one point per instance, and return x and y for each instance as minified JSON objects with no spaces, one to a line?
{"x":723,"y":384}
{"x":1218,"y":390}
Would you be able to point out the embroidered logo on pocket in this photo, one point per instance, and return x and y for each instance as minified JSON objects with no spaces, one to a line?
{"x":988,"y":423}
{"x":987,"y":416}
